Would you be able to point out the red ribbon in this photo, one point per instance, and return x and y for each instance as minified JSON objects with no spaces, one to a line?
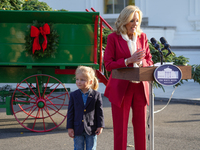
{"x":35,"y":32}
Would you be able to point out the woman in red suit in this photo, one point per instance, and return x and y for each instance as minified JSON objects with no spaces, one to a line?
{"x":128,"y":47}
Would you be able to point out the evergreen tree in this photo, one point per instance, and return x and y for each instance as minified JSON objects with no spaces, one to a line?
{"x":24,"y":5}
{"x":36,"y":5}
{"x":11,"y":4}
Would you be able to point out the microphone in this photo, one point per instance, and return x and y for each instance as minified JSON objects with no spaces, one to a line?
{"x":155,"y":44}
{"x":164,"y":42}
{"x":166,"y":45}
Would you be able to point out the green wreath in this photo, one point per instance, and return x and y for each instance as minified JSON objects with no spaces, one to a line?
{"x":52,"y":42}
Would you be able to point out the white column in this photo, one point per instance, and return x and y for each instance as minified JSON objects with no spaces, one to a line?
{"x":142,"y":4}
{"x":194,"y":14}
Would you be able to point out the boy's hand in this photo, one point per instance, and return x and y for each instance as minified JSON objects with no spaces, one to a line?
{"x":99,"y":131}
{"x":71,"y":133}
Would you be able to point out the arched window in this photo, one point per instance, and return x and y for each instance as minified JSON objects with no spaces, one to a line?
{"x":116,"y":6}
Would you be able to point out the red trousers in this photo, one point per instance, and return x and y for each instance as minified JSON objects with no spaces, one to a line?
{"x":134,"y":98}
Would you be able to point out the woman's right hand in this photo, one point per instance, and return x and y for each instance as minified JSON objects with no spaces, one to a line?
{"x":137,"y":57}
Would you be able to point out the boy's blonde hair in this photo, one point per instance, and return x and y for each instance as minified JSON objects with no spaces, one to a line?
{"x":90,"y":75}
{"x":125,"y":17}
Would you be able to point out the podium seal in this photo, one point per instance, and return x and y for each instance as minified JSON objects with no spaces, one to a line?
{"x":167,"y":74}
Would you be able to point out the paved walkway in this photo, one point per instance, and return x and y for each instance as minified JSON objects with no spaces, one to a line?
{"x":175,"y":128}
{"x":188,"y":90}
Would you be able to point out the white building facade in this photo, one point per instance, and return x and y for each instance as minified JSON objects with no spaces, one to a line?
{"x":178,"y":21}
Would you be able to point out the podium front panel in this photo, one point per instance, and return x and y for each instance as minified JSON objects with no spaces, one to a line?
{"x":145,"y":73}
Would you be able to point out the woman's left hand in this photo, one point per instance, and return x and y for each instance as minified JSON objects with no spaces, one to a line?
{"x":136,"y":57}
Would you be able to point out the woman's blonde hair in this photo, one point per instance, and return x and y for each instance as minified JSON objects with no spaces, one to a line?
{"x":125,"y":17}
{"x":89,"y":73}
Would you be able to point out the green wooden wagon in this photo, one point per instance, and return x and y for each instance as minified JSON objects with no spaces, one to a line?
{"x":40,"y":99}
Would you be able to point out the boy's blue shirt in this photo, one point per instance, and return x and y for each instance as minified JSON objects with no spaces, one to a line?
{"x":85,"y":96}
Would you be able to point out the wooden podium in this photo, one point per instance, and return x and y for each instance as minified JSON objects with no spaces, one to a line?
{"x":147,"y":74}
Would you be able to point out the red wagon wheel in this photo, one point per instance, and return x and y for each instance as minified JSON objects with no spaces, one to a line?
{"x":40,"y":103}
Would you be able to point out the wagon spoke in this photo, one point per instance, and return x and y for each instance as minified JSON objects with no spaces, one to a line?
{"x":50,"y":116}
{"x":57,"y":97}
{"x":25,"y":94}
{"x":26,"y":109}
{"x":58,"y":104}
{"x":24,"y":101}
{"x":22,"y":87}
{"x":38,"y":112}
{"x":28,"y":116}
{"x":38,"y":86}
{"x":31,"y":88}
{"x":52,"y":85}
{"x":53,"y":97}
{"x":53,"y":90}
{"x":45,"y":87}
{"x":43,"y":120}
{"x":31,"y":108}
{"x":32,"y":85}
{"x":56,"y":111}
{"x":51,"y":103}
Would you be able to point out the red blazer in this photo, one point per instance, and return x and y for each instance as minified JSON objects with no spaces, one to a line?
{"x":115,"y":53}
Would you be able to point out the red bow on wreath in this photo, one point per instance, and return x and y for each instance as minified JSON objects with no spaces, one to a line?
{"x":35,"y":32}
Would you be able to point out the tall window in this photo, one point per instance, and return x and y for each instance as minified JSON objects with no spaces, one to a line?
{"x":116,"y":6}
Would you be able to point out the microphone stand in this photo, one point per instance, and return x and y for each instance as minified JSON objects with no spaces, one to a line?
{"x":161,"y":57}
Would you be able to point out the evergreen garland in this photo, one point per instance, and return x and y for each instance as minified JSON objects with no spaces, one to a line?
{"x":196,"y":73}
